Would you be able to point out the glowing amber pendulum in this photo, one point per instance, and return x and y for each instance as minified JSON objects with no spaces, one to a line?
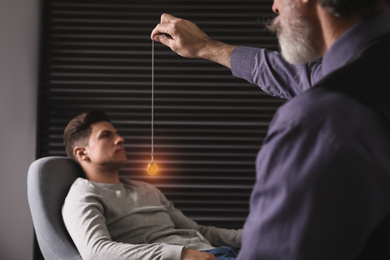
{"x":152,"y":166}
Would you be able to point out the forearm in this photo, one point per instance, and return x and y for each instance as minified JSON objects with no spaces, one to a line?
{"x":216,"y":236}
{"x":218,"y":52}
{"x":113,"y":250}
{"x":221,"y":236}
{"x":272,"y":73}
{"x":267,"y":69}
{"x":87,"y":225}
{"x":93,"y":241}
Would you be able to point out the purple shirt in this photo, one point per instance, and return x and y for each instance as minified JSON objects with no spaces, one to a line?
{"x":323,"y":172}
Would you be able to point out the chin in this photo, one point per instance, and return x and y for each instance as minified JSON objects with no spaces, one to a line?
{"x":298,"y":50}
{"x":123,"y":163}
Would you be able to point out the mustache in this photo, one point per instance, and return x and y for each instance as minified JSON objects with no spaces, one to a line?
{"x":274,"y":25}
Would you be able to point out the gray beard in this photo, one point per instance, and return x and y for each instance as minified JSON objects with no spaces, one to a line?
{"x":294,"y":34}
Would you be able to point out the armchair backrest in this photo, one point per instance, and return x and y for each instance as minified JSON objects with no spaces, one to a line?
{"x":48,"y":183}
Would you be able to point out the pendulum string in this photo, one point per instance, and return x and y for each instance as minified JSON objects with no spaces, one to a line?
{"x":152,"y":144}
{"x":152,"y":166}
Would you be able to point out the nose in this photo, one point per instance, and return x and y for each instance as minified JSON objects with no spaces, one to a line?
{"x":275,"y":8}
{"x":119,"y":140}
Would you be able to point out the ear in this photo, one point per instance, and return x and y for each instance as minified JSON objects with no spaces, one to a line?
{"x":80,"y":153}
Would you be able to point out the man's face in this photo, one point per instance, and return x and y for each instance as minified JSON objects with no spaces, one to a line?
{"x":105,"y":147}
{"x":295,"y":33}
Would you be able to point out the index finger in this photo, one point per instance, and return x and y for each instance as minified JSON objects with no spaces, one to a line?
{"x":160,"y":29}
{"x":166,"y":18}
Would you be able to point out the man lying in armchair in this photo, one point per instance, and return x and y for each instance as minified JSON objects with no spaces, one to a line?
{"x":113,"y":218}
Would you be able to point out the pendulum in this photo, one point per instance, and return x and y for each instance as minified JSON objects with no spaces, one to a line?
{"x":152,"y":166}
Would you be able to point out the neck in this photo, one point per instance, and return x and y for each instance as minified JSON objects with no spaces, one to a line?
{"x":101,"y":175}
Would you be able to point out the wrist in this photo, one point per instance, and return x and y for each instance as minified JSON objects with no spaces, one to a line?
{"x":217,"y":51}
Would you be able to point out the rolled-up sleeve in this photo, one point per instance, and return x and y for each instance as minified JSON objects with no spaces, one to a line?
{"x":272,"y":73}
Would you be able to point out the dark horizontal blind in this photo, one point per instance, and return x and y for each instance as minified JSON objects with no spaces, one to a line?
{"x":209,"y":125}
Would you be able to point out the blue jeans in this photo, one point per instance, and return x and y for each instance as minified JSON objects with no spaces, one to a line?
{"x":224,"y":253}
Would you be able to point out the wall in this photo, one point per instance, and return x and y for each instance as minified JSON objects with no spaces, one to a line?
{"x":19,"y":37}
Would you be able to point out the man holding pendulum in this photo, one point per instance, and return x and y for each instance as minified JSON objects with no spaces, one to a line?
{"x":322,"y":186}
{"x":109,"y":217}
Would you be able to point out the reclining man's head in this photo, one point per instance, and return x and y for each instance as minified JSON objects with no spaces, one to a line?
{"x":93,"y":142}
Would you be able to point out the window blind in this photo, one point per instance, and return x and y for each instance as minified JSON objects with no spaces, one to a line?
{"x":208,"y":125}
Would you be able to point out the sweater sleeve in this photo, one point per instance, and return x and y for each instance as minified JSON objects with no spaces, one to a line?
{"x":83,"y":215}
{"x":272,"y":73}
{"x":216,"y":236}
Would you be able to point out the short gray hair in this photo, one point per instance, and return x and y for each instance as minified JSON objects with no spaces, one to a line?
{"x":345,"y":8}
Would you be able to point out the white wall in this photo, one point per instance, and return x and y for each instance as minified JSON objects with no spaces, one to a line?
{"x":19,"y":37}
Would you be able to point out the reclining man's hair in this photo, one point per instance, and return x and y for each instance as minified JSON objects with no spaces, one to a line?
{"x":79,"y":129}
{"x":345,"y":8}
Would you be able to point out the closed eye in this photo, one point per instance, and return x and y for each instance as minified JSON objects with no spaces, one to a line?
{"x":105,"y":134}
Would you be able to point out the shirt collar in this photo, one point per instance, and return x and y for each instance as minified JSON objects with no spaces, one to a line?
{"x":353,"y":40}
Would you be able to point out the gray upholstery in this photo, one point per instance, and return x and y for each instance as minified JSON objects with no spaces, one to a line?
{"x":48,"y":183}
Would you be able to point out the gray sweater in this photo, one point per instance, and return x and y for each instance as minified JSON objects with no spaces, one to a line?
{"x":134,"y":220}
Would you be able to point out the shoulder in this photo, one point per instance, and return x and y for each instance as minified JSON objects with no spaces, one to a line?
{"x":329,"y":118}
{"x":82,"y":190}
{"x":322,"y":115}
{"x":82,"y":194}
{"x":318,"y":108}
{"x":82,"y":185}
